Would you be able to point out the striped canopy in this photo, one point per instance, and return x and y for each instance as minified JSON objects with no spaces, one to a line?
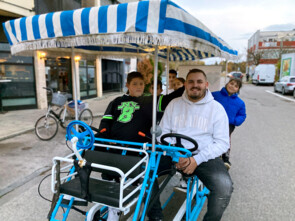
{"x":123,"y":29}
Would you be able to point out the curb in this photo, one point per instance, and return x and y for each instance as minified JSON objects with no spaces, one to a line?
{"x":16,"y":134}
{"x":33,"y":128}
{"x":24,"y":180}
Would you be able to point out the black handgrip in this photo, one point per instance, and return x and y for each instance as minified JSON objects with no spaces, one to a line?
{"x":49,"y":89}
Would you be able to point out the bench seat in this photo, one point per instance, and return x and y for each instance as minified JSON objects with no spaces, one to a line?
{"x":105,"y":192}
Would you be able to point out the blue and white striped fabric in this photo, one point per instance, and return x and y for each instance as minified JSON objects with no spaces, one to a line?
{"x":125,"y":28}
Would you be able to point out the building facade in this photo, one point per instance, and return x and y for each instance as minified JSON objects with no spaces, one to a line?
{"x":19,"y":92}
{"x":268,"y":46}
{"x":28,"y":75}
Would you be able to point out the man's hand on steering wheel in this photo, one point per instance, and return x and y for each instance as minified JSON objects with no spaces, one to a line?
{"x":187,"y":165}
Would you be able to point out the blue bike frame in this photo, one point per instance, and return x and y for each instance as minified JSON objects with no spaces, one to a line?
{"x":194,"y":195}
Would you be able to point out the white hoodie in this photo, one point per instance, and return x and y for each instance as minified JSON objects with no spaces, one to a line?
{"x":205,"y":121}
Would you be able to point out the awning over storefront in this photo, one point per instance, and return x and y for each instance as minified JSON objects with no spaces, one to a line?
{"x":159,"y":27}
{"x":130,"y":28}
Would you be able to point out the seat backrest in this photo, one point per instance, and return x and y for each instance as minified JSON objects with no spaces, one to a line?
{"x":123,"y":162}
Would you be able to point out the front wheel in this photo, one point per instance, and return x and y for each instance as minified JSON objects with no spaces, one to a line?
{"x":95,"y":213}
{"x":46,"y":127}
{"x":86,"y":116}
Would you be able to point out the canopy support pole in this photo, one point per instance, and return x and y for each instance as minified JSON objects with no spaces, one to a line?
{"x":155,"y":98}
{"x":226,"y":66}
{"x":74,"y":77}
{"x":167,"y":70}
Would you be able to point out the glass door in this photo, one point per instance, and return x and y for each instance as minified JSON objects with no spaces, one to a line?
{"x":87,"y":79}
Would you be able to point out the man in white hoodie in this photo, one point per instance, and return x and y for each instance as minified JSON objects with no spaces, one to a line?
{"x":196,"y":114}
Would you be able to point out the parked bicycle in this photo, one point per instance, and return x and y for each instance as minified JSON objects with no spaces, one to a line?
{"x":46,"y":126}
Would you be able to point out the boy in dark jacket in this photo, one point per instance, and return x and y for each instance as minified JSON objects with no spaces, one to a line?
{"x":126,"y":116}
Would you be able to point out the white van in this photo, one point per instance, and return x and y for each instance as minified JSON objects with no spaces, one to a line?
{"x":264,"y":74}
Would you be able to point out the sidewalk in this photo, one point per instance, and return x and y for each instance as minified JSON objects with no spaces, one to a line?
{"x":14,"y":123}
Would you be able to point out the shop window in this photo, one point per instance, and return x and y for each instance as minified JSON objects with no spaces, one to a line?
{"x":58,"y":74}
{"x":19,"y":92}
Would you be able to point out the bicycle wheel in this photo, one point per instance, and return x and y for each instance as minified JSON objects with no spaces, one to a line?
{"x":86,"y":116}
{"x":65,"y":118}
{"x":46,"y":127}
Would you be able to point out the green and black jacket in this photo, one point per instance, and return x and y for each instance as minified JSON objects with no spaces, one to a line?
{"x":126,"y":116}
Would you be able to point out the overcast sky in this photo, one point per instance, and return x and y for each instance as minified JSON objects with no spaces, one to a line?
{"x":235,"y":21}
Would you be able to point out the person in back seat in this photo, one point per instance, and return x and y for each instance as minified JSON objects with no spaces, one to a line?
{"x":234,"y":106}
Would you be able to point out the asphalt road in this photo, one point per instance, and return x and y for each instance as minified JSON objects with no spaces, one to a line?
{"x":262,"y":158}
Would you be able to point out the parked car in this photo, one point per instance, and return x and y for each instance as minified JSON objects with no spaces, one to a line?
{"x":285,"y":85}
{"x":235,"y":74}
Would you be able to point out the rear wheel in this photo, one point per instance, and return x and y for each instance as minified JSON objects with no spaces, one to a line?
{"x":46,"y":127}
{"x":283,"y":91}
{"x":65,"y":118}
{"x":294,"y":93}
{"x":86,"y":116}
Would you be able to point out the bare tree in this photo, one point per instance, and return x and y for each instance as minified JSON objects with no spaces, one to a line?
{"x":253,"y":57}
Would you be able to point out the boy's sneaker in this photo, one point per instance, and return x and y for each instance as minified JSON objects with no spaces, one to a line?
{"x":182,"y":187}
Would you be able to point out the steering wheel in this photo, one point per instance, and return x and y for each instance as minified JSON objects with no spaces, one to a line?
{"x":178,"y":141}
{"x":83,"y":132}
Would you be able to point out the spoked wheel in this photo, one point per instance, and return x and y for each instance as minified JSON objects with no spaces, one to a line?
{"x":65,"y":117}
{"x":86,"y":116}
{"x":46,"y":127}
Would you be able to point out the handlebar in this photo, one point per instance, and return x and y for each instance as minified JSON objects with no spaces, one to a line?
{"x":174,"y":152}
{"x":48,"y":89}
{"x":69,"y":95}
{"x":87,"y":140}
